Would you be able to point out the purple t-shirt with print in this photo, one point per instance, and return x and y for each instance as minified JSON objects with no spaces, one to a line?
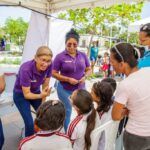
{"x":73,"y":67}
{"x":28,"y":76}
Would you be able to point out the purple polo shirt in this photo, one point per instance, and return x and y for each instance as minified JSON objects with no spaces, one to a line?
{"x":73,"y":67}
{"x":28,"y":76}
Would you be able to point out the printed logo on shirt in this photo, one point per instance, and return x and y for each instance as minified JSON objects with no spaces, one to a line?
{"x":33,"y":81}
{"x":68,"y":61}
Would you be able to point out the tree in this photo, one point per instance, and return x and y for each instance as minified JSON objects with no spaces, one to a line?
{"x":129,"y":37}
{"x":1,"y":32}
{"x":100,"y":20}
{"x":16,"y":29}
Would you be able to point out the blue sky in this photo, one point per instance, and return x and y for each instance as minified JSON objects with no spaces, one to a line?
{"x":16,"y":12}
{"x":13,"y":12}
{"x":146,"y":10}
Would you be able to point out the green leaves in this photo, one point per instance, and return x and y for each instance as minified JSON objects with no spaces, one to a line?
{"x":16,"y":30}
{"x":89,"y":20}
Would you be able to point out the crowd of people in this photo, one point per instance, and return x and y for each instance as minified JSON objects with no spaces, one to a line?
{"x":52,"y":127}
{"x":102,"y":61}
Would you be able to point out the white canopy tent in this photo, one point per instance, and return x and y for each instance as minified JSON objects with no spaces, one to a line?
{"x":52,"y":6}
{"x":135,"y":27}
{"x":39,"y":27}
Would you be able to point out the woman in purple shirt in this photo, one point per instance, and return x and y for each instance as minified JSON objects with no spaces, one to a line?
{"x":32,"y":74}
{"x":71,"y":67}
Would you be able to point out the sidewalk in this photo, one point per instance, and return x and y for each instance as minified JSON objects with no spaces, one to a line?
{"x":13,"y":123}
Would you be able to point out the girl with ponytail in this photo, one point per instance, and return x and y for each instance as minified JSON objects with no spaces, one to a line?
{"x":87,"y":120}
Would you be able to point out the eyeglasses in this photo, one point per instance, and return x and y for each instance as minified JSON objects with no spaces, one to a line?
{"x":44,"y":61}
{"x":72,"y":44}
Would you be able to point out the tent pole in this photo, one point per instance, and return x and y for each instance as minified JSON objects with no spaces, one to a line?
{"x":48,"y":23}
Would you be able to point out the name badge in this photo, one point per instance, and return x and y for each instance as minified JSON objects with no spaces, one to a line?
{"x":33,"y":81}
{"x":68,"y":61}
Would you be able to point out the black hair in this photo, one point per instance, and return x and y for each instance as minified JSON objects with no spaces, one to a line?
{"x":125,"y":52}
{"x":99,"y":56}
{"x":104,"y":91}
{"x":50,"y":115}
{"x":146,"y":28}
{"x":141,"y":49}
{"x":84,"y":103}
{"x":72,"y":34}
{"x":111,"y":81}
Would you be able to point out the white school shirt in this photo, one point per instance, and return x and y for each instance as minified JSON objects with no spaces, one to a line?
{"x":134,"y":93}
{"x":46,"y":140}
{"x":104,"y":117}
{"x":77,"y":128}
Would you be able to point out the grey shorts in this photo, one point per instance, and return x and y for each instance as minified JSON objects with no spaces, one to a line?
{"x":135,"y":142}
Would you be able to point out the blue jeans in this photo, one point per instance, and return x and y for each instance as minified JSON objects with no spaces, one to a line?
{"x":63,"y":96}
{"x":1,"y":135}
{"x":24,"y":108}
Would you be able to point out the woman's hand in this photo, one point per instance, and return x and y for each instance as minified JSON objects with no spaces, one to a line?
{"x":82,"y":80}
{"x":73,"y":81}
{"x":125,"y":112}
{"x":45,"y":92}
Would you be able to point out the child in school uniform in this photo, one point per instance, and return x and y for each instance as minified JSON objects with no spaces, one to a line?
{"x":113,"y":84}
{"x":102,"y":93}
{"x":87,"y":120}
{"x":50,"y":120}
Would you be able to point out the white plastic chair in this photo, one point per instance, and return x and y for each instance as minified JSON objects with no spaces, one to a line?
{"x":110,"y":128}
{"x":7,"y":95}
{"x":10,"y":79}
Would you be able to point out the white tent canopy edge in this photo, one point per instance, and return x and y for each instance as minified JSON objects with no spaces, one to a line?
{"x":135,"y":27}
{"x":53,"y":6}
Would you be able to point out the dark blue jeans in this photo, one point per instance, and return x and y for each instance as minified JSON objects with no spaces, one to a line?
{"x":63,"y":95}
{"x":1,"y":135}
{"x":24,"y":108}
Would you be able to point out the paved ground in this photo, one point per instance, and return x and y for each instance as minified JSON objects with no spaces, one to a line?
{"x":13,"y":123}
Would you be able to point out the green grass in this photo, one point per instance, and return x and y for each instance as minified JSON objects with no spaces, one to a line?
{"x":17,"y":61}
{"x":94,"y":76}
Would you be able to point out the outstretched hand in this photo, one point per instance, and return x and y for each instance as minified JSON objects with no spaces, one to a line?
{"x":46,"y":92}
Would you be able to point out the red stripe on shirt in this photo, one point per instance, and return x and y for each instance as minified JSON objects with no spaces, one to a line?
{"x":63,"y":135}
{"x":25,"y":140}
{"x":73,"y":125}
